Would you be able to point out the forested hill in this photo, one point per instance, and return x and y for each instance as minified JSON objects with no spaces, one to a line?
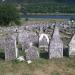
{"x":38,"y":1}
{"x":44,"y":6}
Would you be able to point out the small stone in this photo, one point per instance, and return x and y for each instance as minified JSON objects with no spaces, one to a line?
{"x":29,"y":61}
{"x":21,"y":58}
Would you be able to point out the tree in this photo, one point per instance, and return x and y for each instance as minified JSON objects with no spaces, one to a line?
{"x":8,"y":14}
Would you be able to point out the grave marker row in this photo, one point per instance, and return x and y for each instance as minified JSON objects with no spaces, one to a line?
{"x":53,"y":46}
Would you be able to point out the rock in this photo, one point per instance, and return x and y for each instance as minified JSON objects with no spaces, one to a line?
{"x":29,"y":61}
{"x":21,"y":58}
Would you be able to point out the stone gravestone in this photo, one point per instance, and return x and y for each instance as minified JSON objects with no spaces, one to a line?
{"x":56,"y":45}
{"x":25,"y":37}
{"x":32,"y":53}
{"x":72,"y":46}
{"x":43,"y":40}
{"x":10,"y":53}
{"x":2,"y":42}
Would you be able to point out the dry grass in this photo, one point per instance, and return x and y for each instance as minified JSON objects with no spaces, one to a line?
{"x":32,"y":21}
{"x":65,"y":66}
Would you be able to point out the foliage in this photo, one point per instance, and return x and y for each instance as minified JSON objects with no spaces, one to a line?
{"x":8,"y":14}
{"x":48,"y":8}
{"x":44,"y":6}
{"x":38,"y":1}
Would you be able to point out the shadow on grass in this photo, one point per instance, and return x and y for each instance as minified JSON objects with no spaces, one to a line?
{"x":44,"y":55}
{"x":66,"y":52}
{"x":2,"y":56}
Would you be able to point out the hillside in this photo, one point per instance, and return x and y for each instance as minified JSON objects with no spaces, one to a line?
{"x":44,"y":6}
{"x":38,"y":1}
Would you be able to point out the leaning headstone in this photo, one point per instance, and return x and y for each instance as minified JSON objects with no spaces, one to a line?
{"x":10,"y":53}
{"x":72,"y":46}
{"x":56,"y":45}
{"x":32,"y":53}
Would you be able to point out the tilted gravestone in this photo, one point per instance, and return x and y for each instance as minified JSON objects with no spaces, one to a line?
{"x":10,"y":53}
{"x":56,"y":45}
{"x":32,"y":53}
{"x":72,"y":46}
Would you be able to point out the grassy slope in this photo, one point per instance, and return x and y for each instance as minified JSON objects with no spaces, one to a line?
{"x":65,"y":66}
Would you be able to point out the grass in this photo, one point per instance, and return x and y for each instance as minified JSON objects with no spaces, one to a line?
{"x":42,"y":66}
{"x":50,"y":13}
{"x":32,"y":21}
{"x":64,"y":66}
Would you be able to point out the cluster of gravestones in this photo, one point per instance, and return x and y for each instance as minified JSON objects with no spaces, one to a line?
{"x":63,"y":25}
{"x":29,"y":43}
{"x":53,"y":46}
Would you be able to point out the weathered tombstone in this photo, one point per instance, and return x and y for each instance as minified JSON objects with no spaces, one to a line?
{"x":2,"y":53}
{"x":32,"y":53}
{"x":10,"y":53}
{"x":2,"y":42}
{"x":14,"y":36}
{"x":56,"y":45}
{"x":43,"y":40}
{"x":25,"y":37}
{"x":72,"y":46}
{"x":52,"y":25}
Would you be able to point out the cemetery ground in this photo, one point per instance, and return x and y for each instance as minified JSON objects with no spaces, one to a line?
{"x":42,"y":66}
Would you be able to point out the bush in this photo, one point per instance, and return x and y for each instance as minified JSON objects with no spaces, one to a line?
{"x":8,"y":14}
